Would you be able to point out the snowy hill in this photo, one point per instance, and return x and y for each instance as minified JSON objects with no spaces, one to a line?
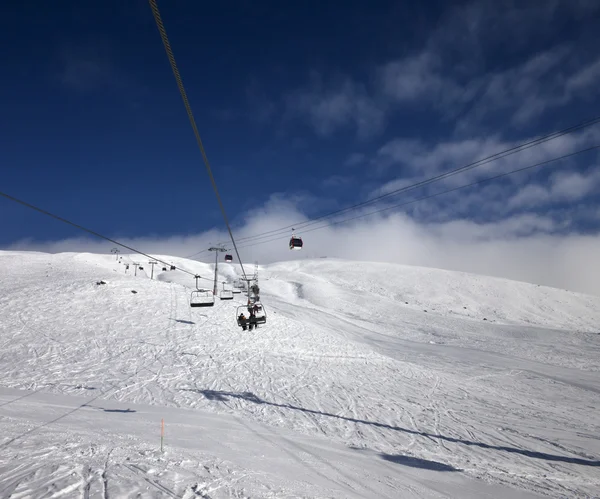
{"x":369,"y":380}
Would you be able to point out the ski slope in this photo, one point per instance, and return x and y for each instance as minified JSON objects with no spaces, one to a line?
{"x":369,"y":380}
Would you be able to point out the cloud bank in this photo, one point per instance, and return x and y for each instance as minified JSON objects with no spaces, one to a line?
{"x":523,"y":247}
{"x":464,"y":73}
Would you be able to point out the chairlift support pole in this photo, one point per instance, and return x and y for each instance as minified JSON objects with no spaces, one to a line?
{"x":248,"y":281}
{"x":136,"y":266}
{"x":152,"y":273}
{"x":217,"y":250}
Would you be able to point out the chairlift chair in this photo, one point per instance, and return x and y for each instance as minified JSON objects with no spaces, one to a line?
{"x":173,"y":267}
{"x":202,"y":298}
{"x":226,"y":294}
{"x":261,"y":315}
{"x":228,"y":258}
{"x":164,"y":268}
{"x":141,"y":268}
{"x":238,"y":286}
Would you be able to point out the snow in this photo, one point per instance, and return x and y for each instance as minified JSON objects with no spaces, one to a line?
{"x":369,"y":380}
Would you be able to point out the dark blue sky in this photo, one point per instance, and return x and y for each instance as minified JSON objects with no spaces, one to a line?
{"x":321,"y":102}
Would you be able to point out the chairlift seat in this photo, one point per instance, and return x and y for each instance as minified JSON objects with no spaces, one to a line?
{"x":202,"y":304}
{"x":202,"y":298}
{"x":260,"y":319}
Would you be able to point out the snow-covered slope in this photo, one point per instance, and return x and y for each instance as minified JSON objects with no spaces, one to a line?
{"x":369,"y":380}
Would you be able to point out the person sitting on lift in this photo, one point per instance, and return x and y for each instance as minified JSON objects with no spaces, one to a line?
{"x":252,"y":320}
{"x":242,"y":321}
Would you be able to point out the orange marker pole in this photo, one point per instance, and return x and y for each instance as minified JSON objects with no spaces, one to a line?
{"x":162,"y":433}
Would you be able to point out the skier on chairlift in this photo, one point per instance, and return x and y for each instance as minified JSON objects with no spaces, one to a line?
{"x":252,"y":321}
{"x":242,"y":320}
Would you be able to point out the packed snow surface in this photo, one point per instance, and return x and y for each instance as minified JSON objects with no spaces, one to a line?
{"x":368,"y":380}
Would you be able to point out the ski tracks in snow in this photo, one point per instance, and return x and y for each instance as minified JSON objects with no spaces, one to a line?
{"x":332,"y":373}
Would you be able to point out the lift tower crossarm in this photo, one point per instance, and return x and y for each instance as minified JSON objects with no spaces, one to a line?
{"x":153,"y":264}
{"x":217,"y":250}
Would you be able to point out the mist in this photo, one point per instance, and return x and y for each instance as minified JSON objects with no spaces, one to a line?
{"x":522,"y":247}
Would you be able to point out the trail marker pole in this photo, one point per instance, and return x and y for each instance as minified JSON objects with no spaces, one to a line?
{"x":162,"y":433}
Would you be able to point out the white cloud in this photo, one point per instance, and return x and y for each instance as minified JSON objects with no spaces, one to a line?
{"x":569,"y":187}
{"x":572,"y":186}
{"x":457,"y":72}
{"x":522,"y":247}
{"x":545,"y":80}
{"x":461,"y":72}
{"x":412,"y":77}
{"x":392,"y":186}
{"x":529,"y":196}
{"x":586,"y":77}
{"x":356,"y":158}
{"x":420,"y":160}
{"x":344,"y":105}
{"x":423,"y":158}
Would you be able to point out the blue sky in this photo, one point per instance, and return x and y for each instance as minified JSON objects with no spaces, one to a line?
{"x":304,"y":108}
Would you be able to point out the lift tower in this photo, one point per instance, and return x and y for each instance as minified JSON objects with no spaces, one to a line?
{"x":217,"y":250}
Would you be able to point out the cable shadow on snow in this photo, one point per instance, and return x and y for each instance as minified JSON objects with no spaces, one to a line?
{"x":181,"y":321}
{"x":222,"y":396}
{"x":122,"y":411}
{"x":415,"y":462}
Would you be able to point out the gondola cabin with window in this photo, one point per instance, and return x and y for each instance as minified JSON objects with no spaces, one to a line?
{"x":228,"y":258}
{"x":296,"y":243}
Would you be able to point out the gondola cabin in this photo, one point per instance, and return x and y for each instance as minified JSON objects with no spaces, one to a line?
{"x":228,"y":258}
{"x":296,"y":243}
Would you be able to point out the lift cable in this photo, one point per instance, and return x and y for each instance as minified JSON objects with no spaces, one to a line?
{"x":330,"y":224}
{"x":94,"y":233}
{"x":169,"y":51}
{"x":442,"y":176}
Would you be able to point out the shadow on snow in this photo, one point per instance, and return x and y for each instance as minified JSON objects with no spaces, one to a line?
{"x":415,"y":462}
{"x":222,"y":396}
{"x":122,"y":411}
{"x":181,"y":321}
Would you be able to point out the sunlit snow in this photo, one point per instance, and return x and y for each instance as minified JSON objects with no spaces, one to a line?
{"x":368,"y":380}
